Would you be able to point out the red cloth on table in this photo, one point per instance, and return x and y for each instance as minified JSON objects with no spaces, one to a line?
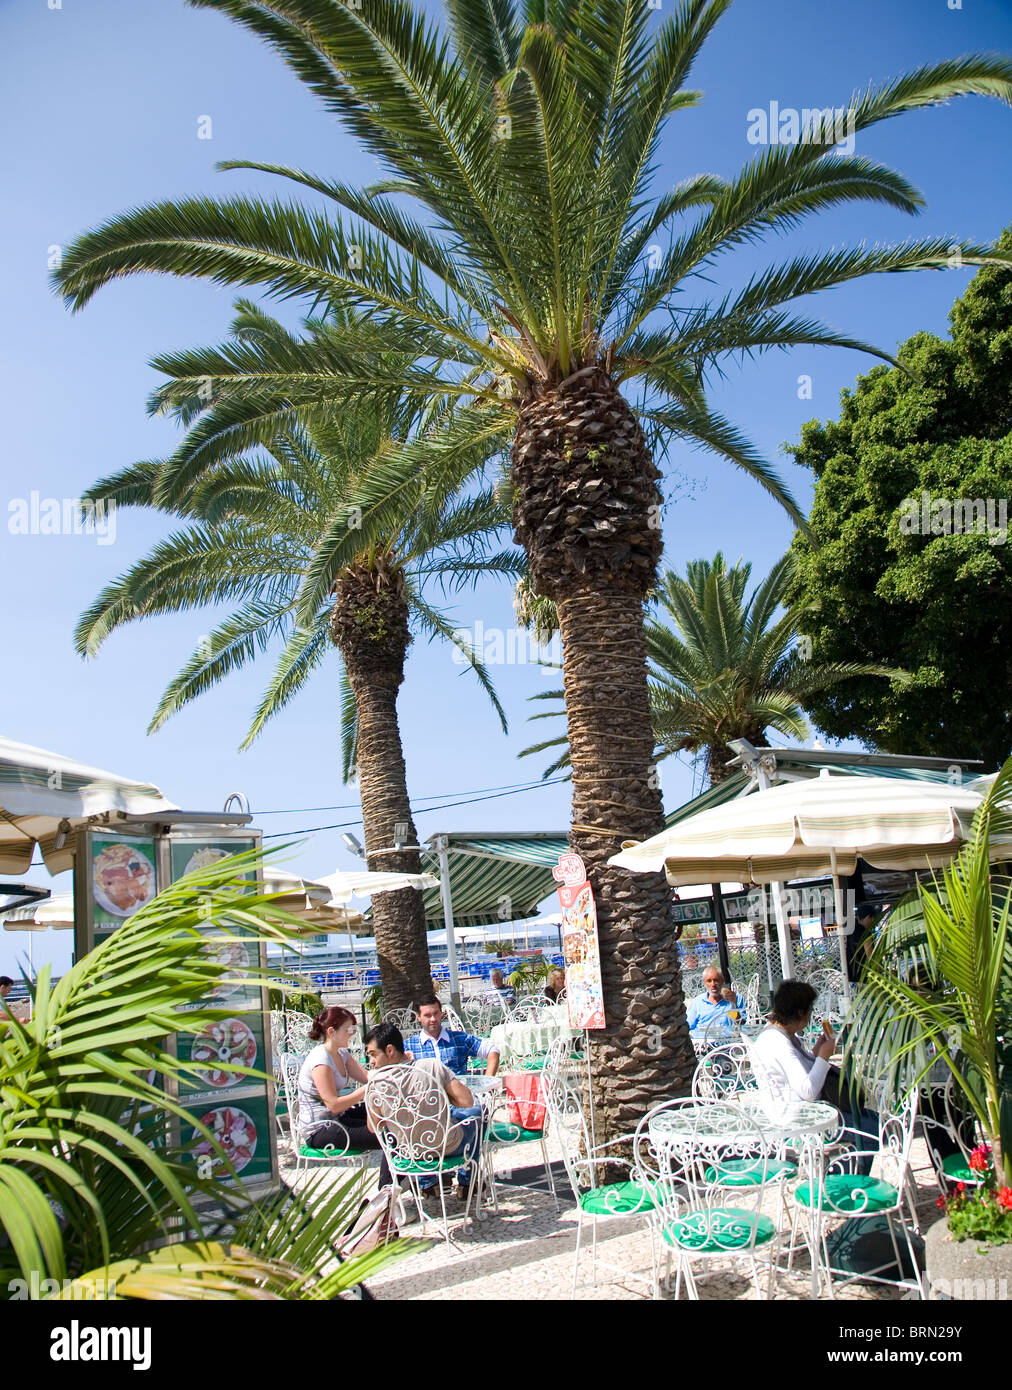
{"x":524,"y":1088}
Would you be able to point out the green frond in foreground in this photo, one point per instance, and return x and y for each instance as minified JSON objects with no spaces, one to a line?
{"x":91,"y":1187}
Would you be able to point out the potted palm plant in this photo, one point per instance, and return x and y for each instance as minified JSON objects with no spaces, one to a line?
{"x":937,"y":992}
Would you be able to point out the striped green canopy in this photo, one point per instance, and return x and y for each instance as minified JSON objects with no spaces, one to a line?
{"x":497,"y":877}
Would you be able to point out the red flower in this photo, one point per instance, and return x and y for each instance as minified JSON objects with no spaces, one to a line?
{"x":980,"y":1160}
{"x":1005,"y":1198}
{"x":940,"y":1204}
{"x":960,"y":1186}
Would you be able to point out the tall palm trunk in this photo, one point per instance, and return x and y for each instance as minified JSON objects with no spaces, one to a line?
{"x":369,"y":624}
{"x":587,"y":510}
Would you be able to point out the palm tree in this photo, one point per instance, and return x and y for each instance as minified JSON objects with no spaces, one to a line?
{"x":723,"y":666}
{"x":263,"y":527}
{"x":517,"y":240}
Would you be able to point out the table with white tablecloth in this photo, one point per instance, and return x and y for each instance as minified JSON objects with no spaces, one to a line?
{"x":528,"y":1038}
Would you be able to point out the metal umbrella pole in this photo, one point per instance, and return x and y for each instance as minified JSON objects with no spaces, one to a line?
{"x":838,"y":911}
{"x":444,"y":888}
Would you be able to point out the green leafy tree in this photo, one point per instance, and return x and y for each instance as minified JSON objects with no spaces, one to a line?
{"x":263,"y":525}
{"x":518,"y":239}
{"x":895,"y":568}
{"x":723,"y":665}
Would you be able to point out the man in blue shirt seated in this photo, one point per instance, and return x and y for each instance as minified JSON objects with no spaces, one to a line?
{"x":714,"y":1006}
{"x":498,"y":989}
{"x":447,"y":1046}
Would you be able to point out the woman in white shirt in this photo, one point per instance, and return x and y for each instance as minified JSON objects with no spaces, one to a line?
{"x":782,"y":1063}
{"x":332,"y":1087}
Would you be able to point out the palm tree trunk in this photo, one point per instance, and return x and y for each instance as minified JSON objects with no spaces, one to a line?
{"x":369,"y":624}
{"x":588,"y":512}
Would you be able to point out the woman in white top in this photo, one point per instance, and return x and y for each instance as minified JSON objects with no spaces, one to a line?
{"x":781,"y":1060}
{"x":332,"y":1087}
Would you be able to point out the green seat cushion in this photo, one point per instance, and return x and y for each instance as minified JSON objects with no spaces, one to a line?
{"x":955,"y":1167}
{"x":748,"y":1172}
{"x":502,"y":1133}
{"x":617,"y":1199}
{"x":305,"y":1151}
{"x":429,"y":1165}
{"x":719,"y":1231}
{"x":851,"y":1192}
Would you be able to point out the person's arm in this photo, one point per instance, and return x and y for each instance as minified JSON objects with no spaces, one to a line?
{"x":482,"y":1047}
{"x":356,"y":1071}
{"x":804,"y":1085}
{"x":692,"y":1014}
{"x":323,"y":1080}
{"x":458,"y":1094}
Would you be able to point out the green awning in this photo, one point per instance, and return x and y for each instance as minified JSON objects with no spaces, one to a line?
{"x":502,"y":876}
{"x":494,"y":878}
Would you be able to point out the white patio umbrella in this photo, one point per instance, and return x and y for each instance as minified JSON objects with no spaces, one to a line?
{"x":44,"y":796}
{"x":809,"y":828}
{"x":55,"y":913}
{"x":344,"y":884}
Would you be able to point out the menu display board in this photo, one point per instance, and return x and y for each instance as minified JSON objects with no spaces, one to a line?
{"x":584,"y":989}
{"x":235,"y":1107}
{"x":118,"y":874}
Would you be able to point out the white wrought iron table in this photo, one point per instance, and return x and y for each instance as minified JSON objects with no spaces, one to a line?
{"x":803,"y":1124}
{"x":523,"y":1039}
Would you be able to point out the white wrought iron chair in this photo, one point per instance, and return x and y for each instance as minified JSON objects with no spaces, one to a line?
{"x":711,"y":1173}
{"x":518,"y":1123}
{"x":296,"y":1033}
{"x":753,"y":1009}
{"x":413,"y":1124}
{"x":845,"y":1193}
{"x":723,"y":1072}
{"x":585,"y":1164}
{"x":306,"y":1155}
{"x":960,"y":1127}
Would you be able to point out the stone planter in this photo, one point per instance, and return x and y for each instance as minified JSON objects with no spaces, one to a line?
{"x":965,"y":1269}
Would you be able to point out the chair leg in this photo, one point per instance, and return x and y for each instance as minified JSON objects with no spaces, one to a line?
{"x":550,"y":1175}
{"x":576,"y":1259}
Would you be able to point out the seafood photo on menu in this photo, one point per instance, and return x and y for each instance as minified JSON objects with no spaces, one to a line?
{"x":222,"y":1045}
{"x":234,"y":1131}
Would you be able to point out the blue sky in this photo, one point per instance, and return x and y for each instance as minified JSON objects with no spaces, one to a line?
{"x":105,"y":106}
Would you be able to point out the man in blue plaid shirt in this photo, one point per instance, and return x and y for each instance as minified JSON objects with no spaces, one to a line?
{"x":445,"y":1044}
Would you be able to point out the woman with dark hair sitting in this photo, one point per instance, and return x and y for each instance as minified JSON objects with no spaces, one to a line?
{"x":786,"y":1068}
{"x":781,"y":1053}
{"x":332,"y":1087}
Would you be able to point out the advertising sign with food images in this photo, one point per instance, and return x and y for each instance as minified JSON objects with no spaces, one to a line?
{"x":122,"y":878}
{"x":584,"y":991}
{"x":234,"y":1107}
{"x":243,"y":1129}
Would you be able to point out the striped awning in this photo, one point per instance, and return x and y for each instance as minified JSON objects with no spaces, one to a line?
{"x":494,"y":877}
{"x":812,"y":827}
{"x":44,"y":796}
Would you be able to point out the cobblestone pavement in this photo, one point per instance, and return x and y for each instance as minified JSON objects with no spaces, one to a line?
{"x":527,"y":1251}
